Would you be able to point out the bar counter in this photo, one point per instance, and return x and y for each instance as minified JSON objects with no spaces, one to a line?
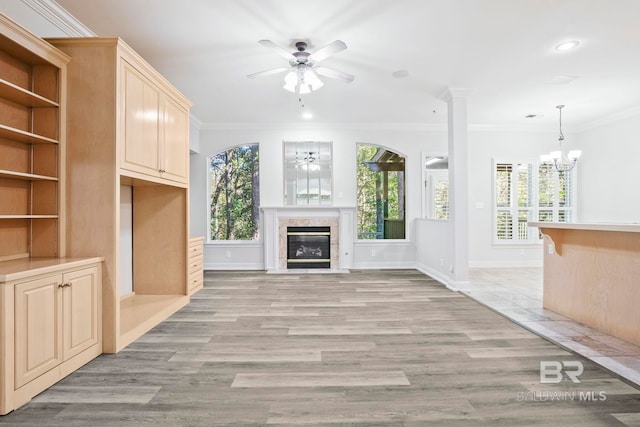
{"x":592,"y":275}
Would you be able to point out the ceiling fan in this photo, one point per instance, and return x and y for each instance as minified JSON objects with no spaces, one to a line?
{"x":302,"y":76}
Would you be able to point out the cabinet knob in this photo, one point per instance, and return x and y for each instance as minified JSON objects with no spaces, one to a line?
{"x":162,"y":170}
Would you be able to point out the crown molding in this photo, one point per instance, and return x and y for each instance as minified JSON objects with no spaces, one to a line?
{"x":59,"y":17}
{"x":324,"y":126}
{"x":420,"y":127}
{"x":451,"y":93}
{"x":610,"y":119}
{"x":195,"y":122}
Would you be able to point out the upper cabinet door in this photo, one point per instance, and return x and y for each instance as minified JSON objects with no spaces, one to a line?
{"x":140,"y":107}
{"x":174,"y":141}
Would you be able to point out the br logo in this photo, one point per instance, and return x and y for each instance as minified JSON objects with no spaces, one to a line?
{"x":551,"y":371}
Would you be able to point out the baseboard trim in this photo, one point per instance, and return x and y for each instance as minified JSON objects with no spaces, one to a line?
{"x":505,"y":264}
{"x":233,"y":266}
{"x":384,"y":266}
{"x":424,"y":269}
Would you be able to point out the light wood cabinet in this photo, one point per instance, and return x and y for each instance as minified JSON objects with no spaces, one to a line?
{"x":128,"y":126}
{"x":32,"y":137}
{"x":81,"y":314}
{"x":38,"y":327}
{"x":139,"y":105}
{"x":196,"y":272}
{"x":155,"y":129}
{"x":51,"y":323}
{"x":174,"y":138}
{"x":50,"y":310}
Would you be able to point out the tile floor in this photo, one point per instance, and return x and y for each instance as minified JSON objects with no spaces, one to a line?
{"x":517,"y":294}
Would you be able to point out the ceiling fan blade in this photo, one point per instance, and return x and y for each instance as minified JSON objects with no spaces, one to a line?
{"x":339,"y":75}
{"x":267,"y":72}
{"x":279,"y":49}
{"x":328,"y":50}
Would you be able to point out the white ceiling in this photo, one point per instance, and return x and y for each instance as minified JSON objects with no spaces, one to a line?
{"x":503,"y":50}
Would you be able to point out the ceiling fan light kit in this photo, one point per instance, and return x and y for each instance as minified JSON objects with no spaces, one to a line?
{"x":302,"y":74}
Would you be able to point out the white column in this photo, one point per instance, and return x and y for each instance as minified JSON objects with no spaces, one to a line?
{"x":458,"y":183}
{"x":270,"y":238}
{"x":345,"y":241}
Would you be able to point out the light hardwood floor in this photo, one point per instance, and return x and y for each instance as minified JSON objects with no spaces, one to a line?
{"x":369,"y":348}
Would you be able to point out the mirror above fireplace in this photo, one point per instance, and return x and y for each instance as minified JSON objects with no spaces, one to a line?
{"x":307,"y":172}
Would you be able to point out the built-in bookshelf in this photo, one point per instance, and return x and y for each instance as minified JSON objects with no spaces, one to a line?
{"x":32,"y":76}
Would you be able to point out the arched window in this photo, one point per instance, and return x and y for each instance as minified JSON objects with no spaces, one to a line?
{"x":381,"y":193}
{"x":234,"y":194}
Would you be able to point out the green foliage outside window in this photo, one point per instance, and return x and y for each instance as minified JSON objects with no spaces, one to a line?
{"x":235,"y":194}
{"x":374,"y":207}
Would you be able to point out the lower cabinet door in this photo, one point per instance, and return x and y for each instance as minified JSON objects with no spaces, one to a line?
{"x":38,"y":327}
{"x":80,"y":306}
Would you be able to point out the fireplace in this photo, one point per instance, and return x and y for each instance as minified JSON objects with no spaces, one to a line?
{"x":308,"y":247}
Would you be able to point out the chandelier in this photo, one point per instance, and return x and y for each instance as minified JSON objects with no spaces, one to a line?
{"x":563,"y":162}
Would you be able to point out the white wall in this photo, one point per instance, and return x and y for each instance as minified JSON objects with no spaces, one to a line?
{"x":379,"y":254}
{"x":435,"y":248}
{"x":126,"y":240}
{"x":609,"y":172}
{"x":194,"y":134}
{"x":484,"y":146}
{"x":424,"y":246}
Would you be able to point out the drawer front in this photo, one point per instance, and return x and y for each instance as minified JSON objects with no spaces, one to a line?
{"x":195,"y":250}
{"x":195,"y":264}
{"x":195,"y":279}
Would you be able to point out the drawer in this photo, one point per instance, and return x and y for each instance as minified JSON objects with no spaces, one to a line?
{"x":195,"y":255}
{"x":195,"y":264}
{"x":195,"y":250}
{"x":195,"y":279}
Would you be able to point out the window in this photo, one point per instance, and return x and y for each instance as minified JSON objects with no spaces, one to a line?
{"x":530,"y":192}
{"x":436,"y":187}
{"x":380,"y":193}
{"x":234,"y":194}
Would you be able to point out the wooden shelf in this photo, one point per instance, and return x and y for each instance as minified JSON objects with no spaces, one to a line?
{"x":25,"y":176}
{"x":140,"y":313}
{"x":22,"y":136}
{"x":28,"y":216}
{"x":22,"y":96}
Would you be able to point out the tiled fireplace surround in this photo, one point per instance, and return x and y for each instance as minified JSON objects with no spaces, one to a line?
{"x":277,"y":219}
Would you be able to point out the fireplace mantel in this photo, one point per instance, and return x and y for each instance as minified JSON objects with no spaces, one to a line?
{"x":275,"y":222}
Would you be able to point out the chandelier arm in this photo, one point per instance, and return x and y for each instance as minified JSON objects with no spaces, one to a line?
{"x":564,"y":167}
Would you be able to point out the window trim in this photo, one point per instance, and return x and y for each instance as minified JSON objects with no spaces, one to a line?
{"x":208,"y":240}
{"x":535,"y":205}
{"x":426,"y":192}
{"x":407,"y":185}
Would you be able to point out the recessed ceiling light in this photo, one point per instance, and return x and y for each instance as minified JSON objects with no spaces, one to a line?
{"x":567,"y":45}
{"x":400,"y":74}
{"x":562,"y":80}
{"x":307,"y":116}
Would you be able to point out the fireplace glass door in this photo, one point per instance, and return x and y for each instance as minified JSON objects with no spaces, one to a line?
{"x":308,"y":247}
